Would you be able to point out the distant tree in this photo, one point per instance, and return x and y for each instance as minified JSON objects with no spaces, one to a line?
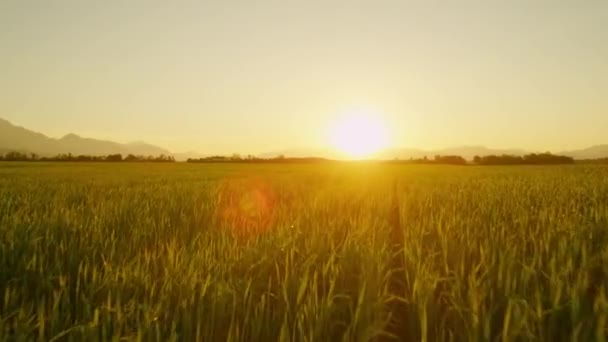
{"x":529,"y":159}
{"x":547,"y":158}
{"x":453,"y":160}
{"x":114,"y":158}
{"x":594,"y":161}
{"x":63,"y":157}
{"x":16,"y":156}
{"x":131,"y":158}
{"x":500,"y":160}
{"x":83,"y":158}
{"x":211,"y":159}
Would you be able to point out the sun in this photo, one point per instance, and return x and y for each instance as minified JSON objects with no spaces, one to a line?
{"x":358,"y":135}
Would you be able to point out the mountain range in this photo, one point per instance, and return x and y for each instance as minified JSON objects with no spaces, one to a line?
{"x":15,"y":138}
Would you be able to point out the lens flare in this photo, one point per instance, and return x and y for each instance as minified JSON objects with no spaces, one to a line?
{"x":246,"y":206}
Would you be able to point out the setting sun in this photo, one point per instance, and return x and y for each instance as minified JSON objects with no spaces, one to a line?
{"x":304,"y":170}
{"x":359,"y":135}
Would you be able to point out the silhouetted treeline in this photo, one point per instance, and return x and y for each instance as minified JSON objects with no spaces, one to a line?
{"x":33,"y":157}
{"x":528,"y":159}
{"x":593,"y":161}
{"x":451,"y":160}
{"x":445,"y":160}
{"x":236,"y":158}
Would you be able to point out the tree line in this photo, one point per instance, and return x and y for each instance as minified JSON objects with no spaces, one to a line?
{"x":528,"y":159}
{"x":237,"y":158}
{"x":594,"y":161}
{"x":438,"y":159}
{"x":33,"y":157}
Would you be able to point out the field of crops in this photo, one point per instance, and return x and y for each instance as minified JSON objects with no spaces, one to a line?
{"x":333,"y":252}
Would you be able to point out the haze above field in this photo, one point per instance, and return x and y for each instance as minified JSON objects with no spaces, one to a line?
{"x":15,"y":138}
{"x":256,"y":77}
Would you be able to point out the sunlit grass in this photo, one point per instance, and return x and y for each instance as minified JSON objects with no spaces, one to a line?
{"x":302,"y":252}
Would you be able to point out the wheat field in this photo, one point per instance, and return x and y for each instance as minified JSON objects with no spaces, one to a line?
{"x":310,"y":252}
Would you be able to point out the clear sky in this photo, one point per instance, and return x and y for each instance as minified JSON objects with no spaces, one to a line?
{"x":255,"y":76}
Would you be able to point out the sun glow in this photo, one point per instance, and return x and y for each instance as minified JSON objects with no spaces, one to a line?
{"x":359,"y":135}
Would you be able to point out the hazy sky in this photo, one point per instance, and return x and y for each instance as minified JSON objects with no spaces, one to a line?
{"x":254,"y":76}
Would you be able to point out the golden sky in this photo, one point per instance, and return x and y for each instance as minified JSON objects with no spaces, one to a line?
{"x":257,"y":76}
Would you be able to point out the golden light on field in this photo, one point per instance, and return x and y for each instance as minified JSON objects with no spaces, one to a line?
{"x":359,"y":134}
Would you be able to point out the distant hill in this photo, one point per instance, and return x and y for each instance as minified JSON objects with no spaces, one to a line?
{"x":593,"y":152}
{"x":15,"y":138}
